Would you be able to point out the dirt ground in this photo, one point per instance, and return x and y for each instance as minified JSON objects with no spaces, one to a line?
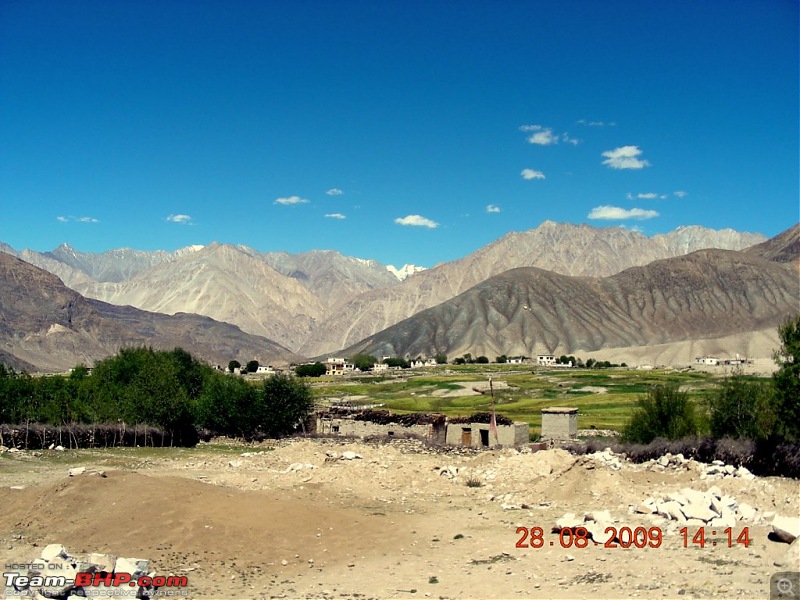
{"x":285,"y":519}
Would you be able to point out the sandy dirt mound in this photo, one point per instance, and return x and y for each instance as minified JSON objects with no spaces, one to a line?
{"x":296,"y":519}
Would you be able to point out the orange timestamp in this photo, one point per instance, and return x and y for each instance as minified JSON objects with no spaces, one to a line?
{"x":699,"y":538}
{"x":580,"y":537}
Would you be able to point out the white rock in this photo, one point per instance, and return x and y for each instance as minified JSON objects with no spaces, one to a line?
{"x":75,"y":471}
{"x":53,"y":551}
{"x":714,"y":491}
{"x":699,"y":512}
{"x":677,"y":497}
{"x":746,"y":512}
{"x":350,"y":455}
{"x":233,"y":464}
{"x":786,"y":528}
{"x":791,"y":558}
{"x":568,"y":521}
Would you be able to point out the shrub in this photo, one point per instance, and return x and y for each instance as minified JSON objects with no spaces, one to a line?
{"x":665,"y":412}
{"x":742,"y":408}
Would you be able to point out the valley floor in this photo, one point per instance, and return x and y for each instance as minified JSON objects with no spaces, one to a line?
{"x":294,"y":519}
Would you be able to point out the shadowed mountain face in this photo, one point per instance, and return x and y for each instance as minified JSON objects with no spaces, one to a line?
{"x":45,"y":324}
{"x":559,"y":247}
{"x":706,"y":294}
{"x":783,"y":248}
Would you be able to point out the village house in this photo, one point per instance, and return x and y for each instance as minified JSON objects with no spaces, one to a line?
{"x":545,"y":360}
{"x":706,"y":360}
{"x":338,"y":366}
{"x":415,"y":364}
{"x":474,"y":431}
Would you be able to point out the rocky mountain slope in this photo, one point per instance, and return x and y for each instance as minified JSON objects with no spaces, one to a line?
{"x":783,"y":248}
{"x":322,"y":301}
{"x":51,"y":327}
{"x":558,"y":247}
{"x":706,"y":294}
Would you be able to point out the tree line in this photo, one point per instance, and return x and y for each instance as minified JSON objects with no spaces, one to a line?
{"x":167,"y":389}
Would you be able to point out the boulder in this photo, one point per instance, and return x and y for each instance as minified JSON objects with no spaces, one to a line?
{"x":790,"y":561}
{"x":786,"y":529}
{"x":53,"y":551}
{"x":75,"y":471}
{"x":698,"y":511}
{"x":350,"y":455}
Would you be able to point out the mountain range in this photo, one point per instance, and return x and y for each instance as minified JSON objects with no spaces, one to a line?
{"x":571,"y":276}
{"x":46,"y":326}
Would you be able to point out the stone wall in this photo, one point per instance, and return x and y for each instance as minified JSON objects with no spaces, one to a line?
{"x":479,"y":435}
{"x":352,"y":427}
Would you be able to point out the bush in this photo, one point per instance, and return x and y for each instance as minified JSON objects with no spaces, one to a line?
{"x":787,"y":381}
{"x":742,"y":408}
{"x":315,"y":370}
{"x":284,"y":404}
{"x":664,"y":412}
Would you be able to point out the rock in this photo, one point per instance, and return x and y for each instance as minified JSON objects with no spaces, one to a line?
{"x":350,"y":455}
{"x":568,"y":521}
{"x":233,"y":464}
{"x":284,"y":562}
{"x":790,"y":560}
{"x":677,"y":497}
{"x":137,"y":567}
{"x":744,"y":473}
{"x":53,"y":552}
{"x":698,"y":512}
{"x":600,"y":516}
{"x":75,"y":471}
{"x":787,"y":529}
{"x":62,"y":567}
{"x":746,"y":512}
{"x":647,"y":507}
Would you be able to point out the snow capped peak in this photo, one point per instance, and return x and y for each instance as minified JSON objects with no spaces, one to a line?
{"x":189,"y":249}
{"x":405,"y":271}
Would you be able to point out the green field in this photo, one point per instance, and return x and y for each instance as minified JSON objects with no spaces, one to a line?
{"x":605,"y":397}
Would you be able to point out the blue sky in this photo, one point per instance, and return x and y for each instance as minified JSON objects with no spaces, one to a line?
{"x":404,"y":131}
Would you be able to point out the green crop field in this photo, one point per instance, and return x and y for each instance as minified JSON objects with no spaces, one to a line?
{"x":604,"y":397}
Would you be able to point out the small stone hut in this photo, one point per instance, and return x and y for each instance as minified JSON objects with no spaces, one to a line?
{"x":559,"y":423}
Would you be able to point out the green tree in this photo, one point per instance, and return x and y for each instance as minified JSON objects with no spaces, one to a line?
{"x":590,"y":363}
{"x":363,"y":362}
{"x":252,"y":366}
{"x":742,"y":408}
{"x":284,"y":403}
{"x":315,"y":370}
{"x":787,"y":380}
{"x":227,"y":406}
{"x":664,"y":412}
{"x":234,"y":364}
{"x":441,"y":359}
{"x":397,"y":362}
{"x":482,"y":360}
{"x":501,"y":359}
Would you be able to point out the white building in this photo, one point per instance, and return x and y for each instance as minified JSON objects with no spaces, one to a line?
{"x":545,"y":360}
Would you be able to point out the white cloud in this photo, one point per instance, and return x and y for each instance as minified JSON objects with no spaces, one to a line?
{"x":624,"y":157}
{"x":72,"y":219}
{"x":334,"y":192}
{"x":615,"y":213}
{"x":568,"y":140}
{"x":647,"y":196}
{"x":530,"y":127}
{"x":545,"y":137}
{"x":179,"y":218}
{"x":416,"y":221}
{"x":491,"y":208}
{"x":680,"y":194}
{"x":335,"y":216}
{"x":531,"y":174}
{"x":291,"y":200}
{"x":596,"y":123}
